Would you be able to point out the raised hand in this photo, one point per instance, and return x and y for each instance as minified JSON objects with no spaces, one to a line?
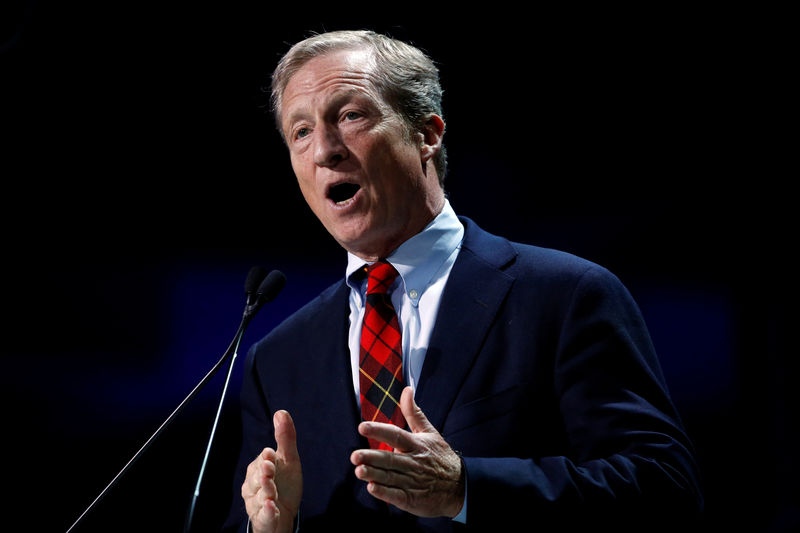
{"x":274,"y":483}
{"x":423,"y":475}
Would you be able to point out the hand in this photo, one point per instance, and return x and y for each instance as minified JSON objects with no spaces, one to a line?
{"x":423,"y":475}
{"x":274,"y":482}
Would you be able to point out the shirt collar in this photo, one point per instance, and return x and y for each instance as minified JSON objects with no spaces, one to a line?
{"x":420,"y":257}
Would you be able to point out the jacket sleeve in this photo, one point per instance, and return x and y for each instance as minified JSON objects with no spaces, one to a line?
{"x":627,"y":457}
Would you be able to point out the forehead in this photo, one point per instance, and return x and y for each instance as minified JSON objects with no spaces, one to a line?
{"x":342,"y":70}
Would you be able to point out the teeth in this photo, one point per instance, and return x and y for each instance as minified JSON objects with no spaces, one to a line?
{"x":344,"y":192}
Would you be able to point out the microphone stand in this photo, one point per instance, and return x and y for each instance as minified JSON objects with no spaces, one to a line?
{"x":268,"y":289}
{"x":188,"y":526}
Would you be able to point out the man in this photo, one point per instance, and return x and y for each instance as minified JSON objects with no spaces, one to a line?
{"x":518,"y":386}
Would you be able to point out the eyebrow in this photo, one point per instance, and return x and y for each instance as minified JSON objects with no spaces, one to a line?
{"x":337,"y":99}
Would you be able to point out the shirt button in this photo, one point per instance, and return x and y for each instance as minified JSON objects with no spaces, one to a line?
{"x":413,"y":294}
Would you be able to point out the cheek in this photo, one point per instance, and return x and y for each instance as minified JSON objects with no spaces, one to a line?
{"x":304,"y":174}
{"x":394,"y":163}
{"x":311,"y":197}
{"x":298,"y":166}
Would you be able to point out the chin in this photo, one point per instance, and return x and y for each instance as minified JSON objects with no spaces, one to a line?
{"x":363,"y":247}
{"x":351,"y":232}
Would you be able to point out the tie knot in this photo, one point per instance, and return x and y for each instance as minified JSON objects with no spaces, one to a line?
{"x":380,"y":276}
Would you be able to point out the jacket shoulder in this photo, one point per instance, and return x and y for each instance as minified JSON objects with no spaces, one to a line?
{"x":305,"y":320}
{"x":521,"y":260}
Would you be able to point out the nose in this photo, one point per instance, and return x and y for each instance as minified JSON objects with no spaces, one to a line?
{"x":329,"y":147}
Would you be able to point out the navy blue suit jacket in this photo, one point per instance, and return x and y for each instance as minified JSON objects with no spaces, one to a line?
{"x":540,"y":372}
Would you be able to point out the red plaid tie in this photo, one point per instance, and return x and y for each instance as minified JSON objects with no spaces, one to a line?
{"x":381,"y":352}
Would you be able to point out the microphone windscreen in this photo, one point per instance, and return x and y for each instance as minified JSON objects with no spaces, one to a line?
{"x":254,"y":278}
{"x":271,"y":286}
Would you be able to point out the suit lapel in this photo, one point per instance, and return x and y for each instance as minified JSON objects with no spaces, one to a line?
{"x":471,"y":300}
{"x":335,"y":370}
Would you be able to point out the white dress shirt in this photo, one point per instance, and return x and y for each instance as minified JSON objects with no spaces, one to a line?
{"x":424,"y":263}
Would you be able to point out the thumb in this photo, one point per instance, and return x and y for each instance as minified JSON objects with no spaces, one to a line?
{"x":416,"y":419}
{"x":285,"y":435}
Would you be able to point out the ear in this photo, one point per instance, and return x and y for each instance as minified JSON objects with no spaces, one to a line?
{"x":432,"y":132}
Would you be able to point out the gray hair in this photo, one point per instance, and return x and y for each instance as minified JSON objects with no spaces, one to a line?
{"x":404,"y":76}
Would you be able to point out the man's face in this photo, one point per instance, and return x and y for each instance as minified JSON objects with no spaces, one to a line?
{"x":361,"y":173}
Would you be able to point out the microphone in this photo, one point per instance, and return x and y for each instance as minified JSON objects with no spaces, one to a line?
{"x":254,"y":279}
{"x":268,"y":289}
{"x":260,"y":288}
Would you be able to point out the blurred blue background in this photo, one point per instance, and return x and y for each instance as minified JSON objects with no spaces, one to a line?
{"x":142,"y":177}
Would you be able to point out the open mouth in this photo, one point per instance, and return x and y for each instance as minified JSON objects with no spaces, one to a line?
{"x":342,"y":192}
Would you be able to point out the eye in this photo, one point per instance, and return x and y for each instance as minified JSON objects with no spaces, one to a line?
{"x":301,"y":132}
{"x":352,"y":115}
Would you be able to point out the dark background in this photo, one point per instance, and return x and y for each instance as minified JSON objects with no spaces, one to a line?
{"x":142,"y":177}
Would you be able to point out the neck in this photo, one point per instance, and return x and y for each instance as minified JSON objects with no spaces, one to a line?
{"x":383,"y":248}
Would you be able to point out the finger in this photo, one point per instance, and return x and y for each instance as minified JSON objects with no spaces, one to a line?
{"x":268,"y":490}
{"x":253,"y":493}
{"x":391,"y":495}
{"x":388,"y":433}
{"x":262,"y":504}
{"x":416,"y":419}
{"x":266,"y":471}
{"x":389,"y":478}
{"x":267,"y":514}
{"x":267,"y":454}
{"x":383,"y":459}
{"x":256,"y":471}
{"x":285,"y":436}
{"x":265,"y":464}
